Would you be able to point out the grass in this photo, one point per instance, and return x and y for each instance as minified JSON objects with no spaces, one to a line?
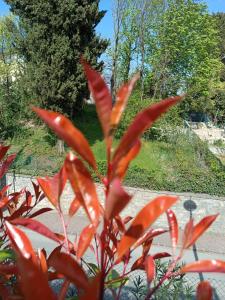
{"x":182,"y":164}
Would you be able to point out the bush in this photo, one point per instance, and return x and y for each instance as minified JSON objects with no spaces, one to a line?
{"x":170,"y":120}
{"x":115,"y":242}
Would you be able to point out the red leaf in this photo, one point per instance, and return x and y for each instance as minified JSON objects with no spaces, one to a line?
{"x":141,"y":122}
{"x":121,"y":102}
{"x":43,"y":262}
{"x":4,"y":292}
{"x":93,"y":290}
{"x":161,"y":255}
{"x":83,"y":187}
{"x":150,"y":268}
{"x":37,"y":227}
{"x":36,"y":190}
{"x":6,"y":164}
{"x":67,"y":132}
{"x":121,"y":169}
{"x":20,"y":242}
{"x":216,"y":266}
{"x":74,"y":206}
{"x":40,"y":211}
{"x":7,"y":269}
{"x":145,"y":218}
{"x":127,"y":219}
{"x":174,"y":230}
{"x":200,"y":228}
{"x":4,"y":202}
{"x":18,"y":213}
{"x":101,"y":95}
{"x":85,"y":239}
{"x":64,"y":264}
{"x":120,"y":224}
{"x":188,"y":233}
{"x":54,"y":186}
{"x":3,"y":151}
{"x":204,"y":291}
{"x":149,"y":235}
{"x":4,"y":190}
{"x":31,"y":275}
{"x":138,"y":264}
{"x":117,"y":200}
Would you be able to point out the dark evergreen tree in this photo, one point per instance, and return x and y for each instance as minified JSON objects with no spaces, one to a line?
{"x":56,"y":34}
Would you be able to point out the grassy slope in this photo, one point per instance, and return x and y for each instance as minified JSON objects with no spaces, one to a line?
{"x":182,"y":165}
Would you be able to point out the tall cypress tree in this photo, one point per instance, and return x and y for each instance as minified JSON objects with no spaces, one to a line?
{"x":56,"y":34}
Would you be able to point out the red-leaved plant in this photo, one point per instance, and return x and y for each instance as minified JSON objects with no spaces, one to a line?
{"x":113,"y":242}
{"x":13,"y":206}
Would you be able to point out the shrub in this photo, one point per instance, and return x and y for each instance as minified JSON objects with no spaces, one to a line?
{"x":159,"y":132}
{"x":115,"y":242}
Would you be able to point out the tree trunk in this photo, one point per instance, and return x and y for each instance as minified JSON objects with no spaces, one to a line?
{"x":60,"y":147}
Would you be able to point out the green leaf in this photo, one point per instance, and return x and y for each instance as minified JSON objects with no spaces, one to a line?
{"x":94,"y":268}
{"x":114,"y":280}
{"x":6,"y":254}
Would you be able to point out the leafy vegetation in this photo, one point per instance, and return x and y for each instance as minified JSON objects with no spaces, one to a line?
{"x":170,"y":159}
{"x":118,"y":238}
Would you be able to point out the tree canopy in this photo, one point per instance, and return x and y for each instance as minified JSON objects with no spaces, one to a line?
{"x":56,"y":34}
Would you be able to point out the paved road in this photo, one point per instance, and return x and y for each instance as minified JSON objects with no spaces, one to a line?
{"x":211,"y":245}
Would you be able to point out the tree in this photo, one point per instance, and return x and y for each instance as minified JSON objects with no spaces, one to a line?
{"x":57,"y":33}
{"x":118,"y":13}
{"x":219,"y":97}
{"x":11,"y":71}
{"x":185,"y":56}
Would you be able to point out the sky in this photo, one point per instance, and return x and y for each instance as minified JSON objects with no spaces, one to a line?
{"x":105,"y":28}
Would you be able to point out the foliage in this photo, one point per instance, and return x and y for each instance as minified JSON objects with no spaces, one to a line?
{"x":114,"y":244}
{"x":12,"y":99}
{"x":185,"y":54}
{"x":56,"y":34}
{"x":12,"y":207}
{"x":171,"y":119}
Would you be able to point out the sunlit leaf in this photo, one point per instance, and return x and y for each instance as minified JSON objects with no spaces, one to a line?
{"x":200,"y":228}
{"x":64,"y":263}
{"x":149,"y":235}
{"x":121,"y":101}
{"x":188,"y":233}
{"x":85,"y":239}
{"x":145,"y":218}
{"x":150,"y":268}
{"x":141,"y":122}
{"x":20,"y":242}
{"x":83,"y":187}
{"x":101,"y":96}
{"x":54,"y":186}
{"x":31,"y":275}
{"x":67,"y":132}
{"x":122,"y":167}
{"x":204,"y":291}
{"x":213,"y":265}
{"x":174,"y":230}
{"x":74,"y":206}
{"x":37,"y":227}
{"x":117,"y":200}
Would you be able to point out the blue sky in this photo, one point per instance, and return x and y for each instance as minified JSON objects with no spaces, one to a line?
{"x":105,"y":28}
